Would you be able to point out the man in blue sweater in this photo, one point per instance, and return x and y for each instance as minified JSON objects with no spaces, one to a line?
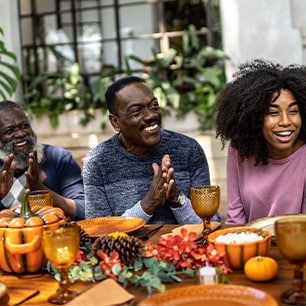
{"x":143,"y":170}
{"x":25,"y":163}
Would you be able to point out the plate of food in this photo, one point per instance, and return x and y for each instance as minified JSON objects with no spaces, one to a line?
{"x":268,"y":222}
{"x":221,"y":295}
{"x":96,"y":227}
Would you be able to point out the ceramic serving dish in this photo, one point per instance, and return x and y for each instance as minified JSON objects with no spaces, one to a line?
{"x":236,"y":253}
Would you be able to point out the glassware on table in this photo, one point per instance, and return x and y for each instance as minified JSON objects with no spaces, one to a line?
{"x":205,"y":201}
{"x":40,"y":198}
{"x":60,"y":248}
{"x":290,"y":234}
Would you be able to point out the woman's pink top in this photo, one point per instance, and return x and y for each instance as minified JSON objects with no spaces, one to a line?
{"x":265,"y":190}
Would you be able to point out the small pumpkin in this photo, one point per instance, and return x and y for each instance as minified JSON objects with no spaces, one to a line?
{"x":260,"y":268}
{"x":21,"y":233}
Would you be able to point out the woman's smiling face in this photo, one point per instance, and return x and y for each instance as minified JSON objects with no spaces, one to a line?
{"x":282,"y":125}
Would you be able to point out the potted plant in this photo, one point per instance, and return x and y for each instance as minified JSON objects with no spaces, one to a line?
{"x":188,"y":79}
{"x":183,"y":80}
{"x":9,"y":71}
{"x":54,"y":93}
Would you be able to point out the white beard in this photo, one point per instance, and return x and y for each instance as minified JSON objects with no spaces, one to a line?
{"x":22,"y":160}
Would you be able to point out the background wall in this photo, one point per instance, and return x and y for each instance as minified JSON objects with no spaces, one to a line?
{"x":271,"y":29}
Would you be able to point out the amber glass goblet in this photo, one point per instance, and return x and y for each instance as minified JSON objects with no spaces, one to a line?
{"x":205,"y":201}
{"x":60,"y":248}
{"x":290,"y":234}
{"x":40,"y":198}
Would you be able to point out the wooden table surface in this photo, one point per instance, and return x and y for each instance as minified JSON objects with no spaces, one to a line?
{"x":20,"y":286}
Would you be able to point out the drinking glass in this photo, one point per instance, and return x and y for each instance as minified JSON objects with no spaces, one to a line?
{"x":60,"y":247}
{"x":40,"y":198}
{"x":290,"y":234}
{"x":205,"y":201}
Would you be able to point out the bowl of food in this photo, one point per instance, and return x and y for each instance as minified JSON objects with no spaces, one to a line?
{"x":238,"y":244}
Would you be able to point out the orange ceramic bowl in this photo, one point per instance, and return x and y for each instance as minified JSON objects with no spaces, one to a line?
{"x":237,"y":253}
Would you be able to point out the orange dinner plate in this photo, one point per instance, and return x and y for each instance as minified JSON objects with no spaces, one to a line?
{"x":96,"y":227}
{"x":212,"y":295}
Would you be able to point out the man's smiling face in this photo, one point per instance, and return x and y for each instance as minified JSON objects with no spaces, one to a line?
{"x":138,"y":118}
{"x":16,"y":136}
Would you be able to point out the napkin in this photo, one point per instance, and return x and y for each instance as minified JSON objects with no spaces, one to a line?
{"x":105,"y":293}
{"x":197,"y":228}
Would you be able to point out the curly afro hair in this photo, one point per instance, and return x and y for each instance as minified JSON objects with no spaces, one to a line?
{"x":242,"y":104}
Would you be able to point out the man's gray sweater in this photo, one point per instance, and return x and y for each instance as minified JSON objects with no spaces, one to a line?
{"x":115,"y":181}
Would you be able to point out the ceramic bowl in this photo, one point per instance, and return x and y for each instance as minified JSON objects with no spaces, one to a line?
{"x":236,"y":253}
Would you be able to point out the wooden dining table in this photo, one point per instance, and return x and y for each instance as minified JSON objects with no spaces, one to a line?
{"x":20,"y":287}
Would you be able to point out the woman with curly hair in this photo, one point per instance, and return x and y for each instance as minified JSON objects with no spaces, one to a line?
{"x":262,"y":113}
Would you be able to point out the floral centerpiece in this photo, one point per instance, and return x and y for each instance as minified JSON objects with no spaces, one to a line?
{"x":130,"y":261}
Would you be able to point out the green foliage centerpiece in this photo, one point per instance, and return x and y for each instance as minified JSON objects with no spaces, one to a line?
{"x":130,"y":261}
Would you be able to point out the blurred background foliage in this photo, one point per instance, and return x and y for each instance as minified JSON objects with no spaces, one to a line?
{"x":183,"y":79}
{"x":9,"y":72}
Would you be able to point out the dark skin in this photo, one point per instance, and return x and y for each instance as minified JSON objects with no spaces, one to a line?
{"x":6,"y":175}
{"x":138,"y":119}
{"x":15,"y":126}
{"x":244,"y":103}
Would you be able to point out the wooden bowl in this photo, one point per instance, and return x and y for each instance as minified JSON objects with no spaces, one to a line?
{"x":237,"y":253}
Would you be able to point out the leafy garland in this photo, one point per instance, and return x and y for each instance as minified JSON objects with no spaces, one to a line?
{"x":160,"y":263}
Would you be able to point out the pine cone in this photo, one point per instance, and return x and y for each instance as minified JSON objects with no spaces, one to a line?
{"x":128,"y":248}
{"x":84,"y":237}
{"x":104,"y":243}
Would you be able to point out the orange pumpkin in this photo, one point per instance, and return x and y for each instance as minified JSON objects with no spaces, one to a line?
{"x":20,"y":236}
{"x":260,"y":268}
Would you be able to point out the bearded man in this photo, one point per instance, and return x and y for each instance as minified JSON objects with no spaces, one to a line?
{"x":26,"y":163}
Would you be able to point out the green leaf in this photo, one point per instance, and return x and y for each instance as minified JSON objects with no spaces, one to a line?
{"x":116,"y":269}
{"x":4,"y":51}
{"x":167,"y":58}
{"x":194,"y":38}
{"x":15,"y":70}
{"x":6,"y":87}
{"x":185,"y":42}
{"x":190,"y":272}
{"x":9,"y":71}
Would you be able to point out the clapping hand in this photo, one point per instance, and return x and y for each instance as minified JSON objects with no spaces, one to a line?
{"x":7,"y":175}
{"x":34,"y":175}
{"x":162,"y":187}
{"x":172,"y":191}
